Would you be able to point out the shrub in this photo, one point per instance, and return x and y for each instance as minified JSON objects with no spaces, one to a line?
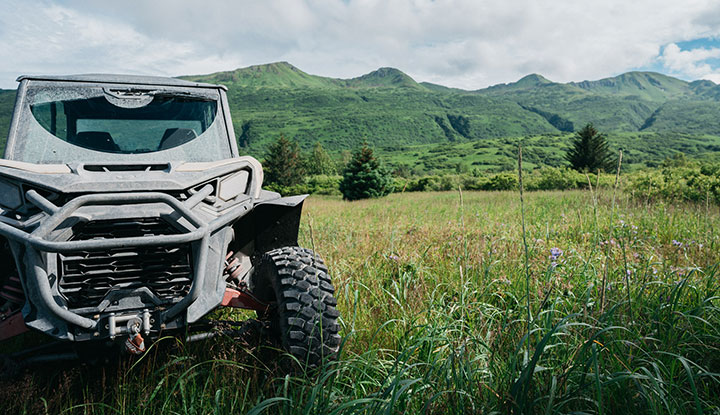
{"x":678,"y":182}
{"x":502,"y":181}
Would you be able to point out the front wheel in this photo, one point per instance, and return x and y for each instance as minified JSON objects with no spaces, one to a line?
{"x":304,"y":313}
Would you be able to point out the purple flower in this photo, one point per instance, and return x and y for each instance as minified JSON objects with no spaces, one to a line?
{"x":677,"y":243}
{"x":555,"y":253}
{"x":394,"y":258}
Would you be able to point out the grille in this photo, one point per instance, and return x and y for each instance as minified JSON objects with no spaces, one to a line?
{"x":122,"y":228}
{"x":86,"y":277}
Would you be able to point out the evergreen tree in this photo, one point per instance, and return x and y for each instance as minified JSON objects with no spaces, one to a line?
{"x":282,"y":165}
{"x":364,"y":177}
{"x":319,"y":161}
{"x":589,"y":151}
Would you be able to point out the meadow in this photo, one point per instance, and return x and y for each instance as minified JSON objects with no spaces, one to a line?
{"x":598,"y":302}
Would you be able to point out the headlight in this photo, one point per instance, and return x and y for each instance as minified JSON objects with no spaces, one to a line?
{"x":233,"y":186}
{"x":10,"y":195}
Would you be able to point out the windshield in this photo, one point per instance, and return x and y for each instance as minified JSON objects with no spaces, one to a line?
{"x":68,"y":122}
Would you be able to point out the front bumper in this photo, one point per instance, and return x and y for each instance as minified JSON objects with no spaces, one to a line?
{"x":39,"y":247}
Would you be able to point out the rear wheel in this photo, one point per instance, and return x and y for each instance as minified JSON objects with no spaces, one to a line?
{"x":304,"y":314}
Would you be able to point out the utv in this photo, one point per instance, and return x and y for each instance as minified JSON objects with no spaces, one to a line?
{"x":127,"y":213}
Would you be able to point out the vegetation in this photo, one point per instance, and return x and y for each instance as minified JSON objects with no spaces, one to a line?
{"x":623,"y":298}
{"x":589,"y":151}
{"x":363,"y":176}
{"x":679,"y":179}
{"x":609,"y":306}
{"x":283,"y":165}
{"x":649,"y":115}
{"x":319,"y":162}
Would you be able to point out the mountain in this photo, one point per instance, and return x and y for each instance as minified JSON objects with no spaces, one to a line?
{"x":384,"y":78}
{"x":526,"y":82}
{"x":432,"y":127}
{"x":272,"y":75}
{"x":285,"y":75}
{"x":405,"y":119}
{"x":649,"y":86}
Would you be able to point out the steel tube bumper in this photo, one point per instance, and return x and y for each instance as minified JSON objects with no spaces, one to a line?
{"x":40,"y":240}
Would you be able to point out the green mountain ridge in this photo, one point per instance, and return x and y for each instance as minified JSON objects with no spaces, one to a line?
{"x":646,"y":85}
{"x":272,"y":75}
{"x":405,"y":119}
{"x":433,"y":126}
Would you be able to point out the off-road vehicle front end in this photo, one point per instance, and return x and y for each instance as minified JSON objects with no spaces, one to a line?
{"x":126,"y":211}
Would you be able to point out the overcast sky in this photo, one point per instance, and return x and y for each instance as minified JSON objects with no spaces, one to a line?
{"x":469,"y":44}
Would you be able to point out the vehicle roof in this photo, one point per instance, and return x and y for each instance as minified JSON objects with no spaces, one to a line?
{"x":121,"y":79}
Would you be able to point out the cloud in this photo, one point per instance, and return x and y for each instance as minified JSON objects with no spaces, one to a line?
{"x":462,"y":43}
{"x":692,"y":63}
{"x":58,"y":40}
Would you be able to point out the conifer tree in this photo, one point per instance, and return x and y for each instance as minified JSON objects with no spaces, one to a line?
{"x":589,"y":151}
{"x":282,"y":165}
{"x":364,"y":177}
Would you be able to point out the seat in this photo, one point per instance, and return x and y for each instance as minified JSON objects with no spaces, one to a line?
{"x":174,"y":137}
{"x":96,"y":140}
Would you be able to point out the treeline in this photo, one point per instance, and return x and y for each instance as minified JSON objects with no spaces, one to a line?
{"x":289,"y":171}
{"x":695,"y":181}
{"x":549,"y":178}
{"x":361,"y":175}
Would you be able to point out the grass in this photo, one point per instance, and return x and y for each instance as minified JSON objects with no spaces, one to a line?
{"x":433,"y":296}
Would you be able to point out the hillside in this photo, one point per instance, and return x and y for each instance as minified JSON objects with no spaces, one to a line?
{"x":648,"y":86}
{"x":402,"y":117}
{"x":407,"y":121}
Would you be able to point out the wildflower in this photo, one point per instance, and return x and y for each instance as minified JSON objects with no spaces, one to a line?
{"x":555,"y":253}
{"x":394,"y":258}
{"x":677,"y":243}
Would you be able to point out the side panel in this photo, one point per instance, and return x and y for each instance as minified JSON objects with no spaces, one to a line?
{"x":270,"y":225}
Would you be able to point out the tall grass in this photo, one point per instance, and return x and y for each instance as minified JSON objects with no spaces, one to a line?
{"x":433,"y":293}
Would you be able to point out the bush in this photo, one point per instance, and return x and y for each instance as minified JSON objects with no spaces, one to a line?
{"x":502,"y":181}
{"x":323,"y":184}
{"x":317,"y":184}
{"x":678,"y":182}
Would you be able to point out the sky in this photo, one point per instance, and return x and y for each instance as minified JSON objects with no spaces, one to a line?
{"x":468,"y":44}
